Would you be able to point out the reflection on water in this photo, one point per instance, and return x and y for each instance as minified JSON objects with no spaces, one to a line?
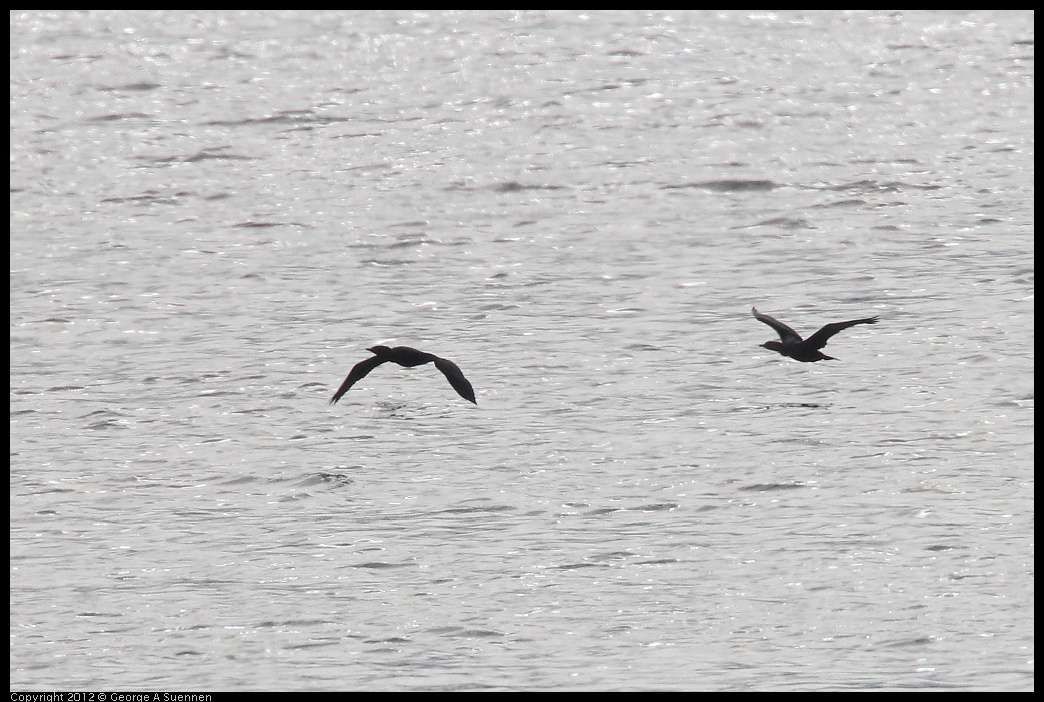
{"x":210,"y":210}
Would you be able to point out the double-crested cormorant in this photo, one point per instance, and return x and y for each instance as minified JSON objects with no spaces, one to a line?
{"x":804,"y":350}
{"x":407,"y":358}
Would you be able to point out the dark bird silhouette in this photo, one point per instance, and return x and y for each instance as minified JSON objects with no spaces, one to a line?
{"x":804,"y":350}
{"x":407,"y":358}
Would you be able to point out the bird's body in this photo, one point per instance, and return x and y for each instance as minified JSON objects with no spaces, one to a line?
{"x":805,"y":350}
{"x":407,"y":358}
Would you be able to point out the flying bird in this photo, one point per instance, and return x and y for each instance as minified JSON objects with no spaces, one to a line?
{"x":804,"y":350}
{"x":407,"y":358}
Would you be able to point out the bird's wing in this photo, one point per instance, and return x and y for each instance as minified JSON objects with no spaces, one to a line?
{"x":456,"y":379}
{"x":357,"y":373}
{"x":820,"y":338}
{"x":787,"y":334}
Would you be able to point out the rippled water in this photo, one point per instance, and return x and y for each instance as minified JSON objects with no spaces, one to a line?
{"x":213,"y":215}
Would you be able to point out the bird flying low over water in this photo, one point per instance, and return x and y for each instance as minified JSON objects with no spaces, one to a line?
{"x":804,"y":350}
{"x":407,"y":358}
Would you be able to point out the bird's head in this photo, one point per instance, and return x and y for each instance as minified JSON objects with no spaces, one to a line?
{"x":773,"y":346}
{"x":381,"y":351}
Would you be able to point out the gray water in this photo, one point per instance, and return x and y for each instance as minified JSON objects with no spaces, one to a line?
{"x":214,"y":214}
